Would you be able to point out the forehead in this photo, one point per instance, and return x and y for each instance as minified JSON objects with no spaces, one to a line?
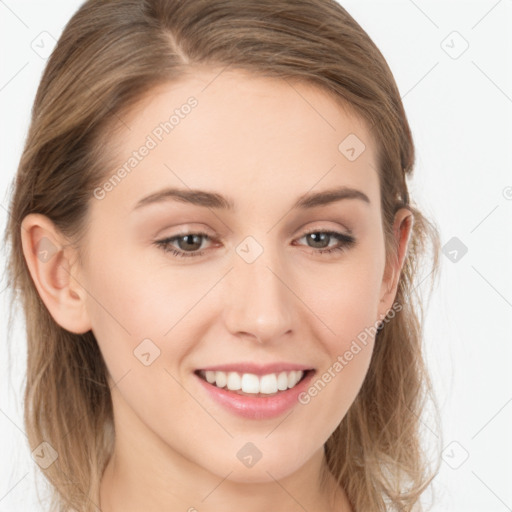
{"x":243,"y":134}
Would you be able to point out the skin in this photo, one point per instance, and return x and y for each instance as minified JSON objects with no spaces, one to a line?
{"x":263,"y":143}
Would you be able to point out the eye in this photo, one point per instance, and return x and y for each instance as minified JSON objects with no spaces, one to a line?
{"x":189,"y":243}
{"x":186,"y":241}
{"x":319,"y":239}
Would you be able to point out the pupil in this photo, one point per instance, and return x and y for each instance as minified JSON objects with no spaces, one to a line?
{"x":187,"y":238}
{"x":317,"y":236}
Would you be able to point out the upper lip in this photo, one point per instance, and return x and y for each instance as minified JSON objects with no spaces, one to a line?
{"x":256,"y":369}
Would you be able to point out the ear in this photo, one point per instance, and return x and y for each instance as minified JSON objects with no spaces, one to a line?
{"x":49,"y":260}
{"x":402,"y":229}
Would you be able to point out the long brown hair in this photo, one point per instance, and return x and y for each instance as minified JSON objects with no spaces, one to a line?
{"x":110,"y":54}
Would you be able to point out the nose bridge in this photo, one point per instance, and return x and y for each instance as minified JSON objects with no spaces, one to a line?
{"x":258,"y":302}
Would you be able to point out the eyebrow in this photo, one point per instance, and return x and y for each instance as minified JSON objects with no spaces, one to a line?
{"x":218,"y":201}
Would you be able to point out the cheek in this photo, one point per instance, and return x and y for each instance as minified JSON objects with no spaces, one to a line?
{"x":146,"y":320}
{"x":333,"y":391}
{"x":132,"y":296}
{"x":336,"y":384}
{"x":345,"y":298}
{"x":125,"y":309}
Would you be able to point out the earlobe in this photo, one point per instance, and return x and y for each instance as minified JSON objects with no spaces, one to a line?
{"x":48,"y":259}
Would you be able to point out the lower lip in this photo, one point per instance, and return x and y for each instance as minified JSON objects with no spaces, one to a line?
{"x":257,"y":407}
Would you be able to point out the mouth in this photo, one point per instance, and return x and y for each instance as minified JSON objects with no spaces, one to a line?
{"x":252,"y":391}
{"x":254,"y":385}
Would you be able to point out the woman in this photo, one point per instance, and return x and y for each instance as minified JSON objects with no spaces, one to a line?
{"x":215,"y":248}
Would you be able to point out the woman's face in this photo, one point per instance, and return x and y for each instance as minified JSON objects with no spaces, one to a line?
{"x":253,"y":297}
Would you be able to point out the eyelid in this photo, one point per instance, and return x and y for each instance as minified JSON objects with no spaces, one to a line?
{"x":187,"y":229}
{"x":320,"y":226}
{"x":325,"y":229}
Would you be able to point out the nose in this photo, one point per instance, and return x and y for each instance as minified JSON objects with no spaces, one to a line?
{"x":259,"y":303}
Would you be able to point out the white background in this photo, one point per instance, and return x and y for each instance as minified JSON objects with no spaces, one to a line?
{"x":460,"y":111}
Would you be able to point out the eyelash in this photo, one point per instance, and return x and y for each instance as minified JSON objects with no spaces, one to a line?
{"x":346,"y":242}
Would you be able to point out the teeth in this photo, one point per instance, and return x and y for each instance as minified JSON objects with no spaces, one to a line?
{"x":282,"y":381}
{"x":251,"y":383}
{"x":220,"y":379}
{"x":268,"y":384}
{"x":234,"y":382}
{"x":298,"y":376}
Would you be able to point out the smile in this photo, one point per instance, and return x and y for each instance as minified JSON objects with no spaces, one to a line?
{"x":254,"y":392}
{"x":251,"y":384}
